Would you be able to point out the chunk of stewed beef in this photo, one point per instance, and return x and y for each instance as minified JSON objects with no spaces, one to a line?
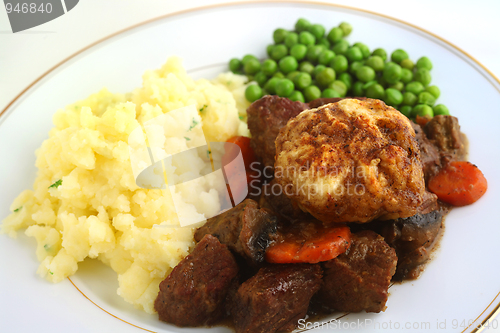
{"x":275,"y":299}
{"x":429,"y":154}
{"x":413,"y":238}
{"x":444,"y":133}
{"x":266,"y":117}
{"x":359,"y":278}
{"x":246,"y":229}
{"x":194,"y":293}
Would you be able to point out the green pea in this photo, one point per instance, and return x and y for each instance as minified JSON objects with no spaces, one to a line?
{"x":325,"y":77}
{"x":279,"y":75}
{"x":317,"y":30}
{"x":247,"y":58}
{"x":415,"y":87}
{"x":407,"y":63}
{"x":357,"y":89}
{"x":406,"y":75}
{"x":393,"y":97}
{"x":307,"y":38}
{"x":252,"y":66}
{"x":398,"y":86}
{"x":399,"y":55}
{"x":324,"y":41}
{"x":313,"y":52}
{"x":375,"y":91}
{"x":341,"y":47}
{"x":365,"y":74}
{"x":441,"y":109}
{"x":339,"y":63}
{"x":291,"y":39}
{"x":296,"y":96}
{"x":434,"y":90}
{"x":253,"y":92}
{"x":284,"y":87}
{"x":392,"y":73}
{"x":339,"y":87}
{"x":346,"y":28}
{"x":424,"y":62}
{"x":269,"y":49}
{"x":325,"y":57}
{"x":298,"y":51}
{"x":423,"y":76}
{"x":302,"y":25}
{"x":376,"y":62}
{"x":422,"y":110}
{"x":368,"y":84}
{"x":279,"y":35}
{"x":260,"y":78}
{"x":318,"y":69}
{"x":311,"y":93}
{"x":269,"y":67}
{"x":306,"y":67}
{"x":235,"y":65}
{"x":381,"y":53}
{"x":288,"y":64}
{"x":354,"y":54}
{"x":330,"y":93}
{"x":302,"y":81}
{"x":335,"y":35}
{"x":346,"y":78}
{"x":364,"y":49}
{"x":270,"y":86}
{"x":406,"y":110}
{"x":279,"y":51}
{"x":426,"y":98}
{"x":292,"y":75}
{"x":409,"y":98}
{"x":381,"y":81}
{"x":355,"y":66}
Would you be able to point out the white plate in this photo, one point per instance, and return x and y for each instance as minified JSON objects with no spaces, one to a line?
{"x":459,"y":286}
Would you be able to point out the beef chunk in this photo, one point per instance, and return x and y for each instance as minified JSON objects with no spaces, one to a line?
{"x":194,"y":293}
{"x":274,"y":198}
{"x":359,"y":278}
{"x":245,"y":229}
{"x":275,"y":298}
{"x":266,"y":117}
{"x":429,"y":154}
{"x":413,"y":238}
{"x":444,"y":133}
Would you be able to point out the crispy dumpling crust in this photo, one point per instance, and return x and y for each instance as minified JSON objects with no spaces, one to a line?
{"x":351,"y":161}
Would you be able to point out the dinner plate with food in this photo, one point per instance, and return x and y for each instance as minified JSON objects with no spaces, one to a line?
{"x":320,"y":168}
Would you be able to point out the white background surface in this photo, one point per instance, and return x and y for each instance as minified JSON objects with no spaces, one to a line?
{"x":473,"y":26}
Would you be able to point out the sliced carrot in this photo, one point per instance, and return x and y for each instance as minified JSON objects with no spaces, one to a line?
{"x":310,"y":245}
{"x":459,"y":184}
{"x":251,"y":174}
{"x":247,"y":152}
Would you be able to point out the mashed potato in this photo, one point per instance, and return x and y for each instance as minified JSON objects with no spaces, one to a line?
{"x":86,"y":203}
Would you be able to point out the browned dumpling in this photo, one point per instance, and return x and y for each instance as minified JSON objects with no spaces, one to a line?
{"x":351,"y":161}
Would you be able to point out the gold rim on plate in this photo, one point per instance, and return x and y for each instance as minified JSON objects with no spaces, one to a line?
{"x":478,"y":327}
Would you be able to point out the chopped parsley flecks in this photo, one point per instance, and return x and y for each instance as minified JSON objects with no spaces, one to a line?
{"x":208,"y":153}
{"x":17,"y":209}
{"x":241,"y":117}
{"x":187,"y":139}
{"x":193,"y":124}
{"x":203,"y":107}
{"x":51,"y":273}
{"x":56,"y":184}
{"x":46,"y":247}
